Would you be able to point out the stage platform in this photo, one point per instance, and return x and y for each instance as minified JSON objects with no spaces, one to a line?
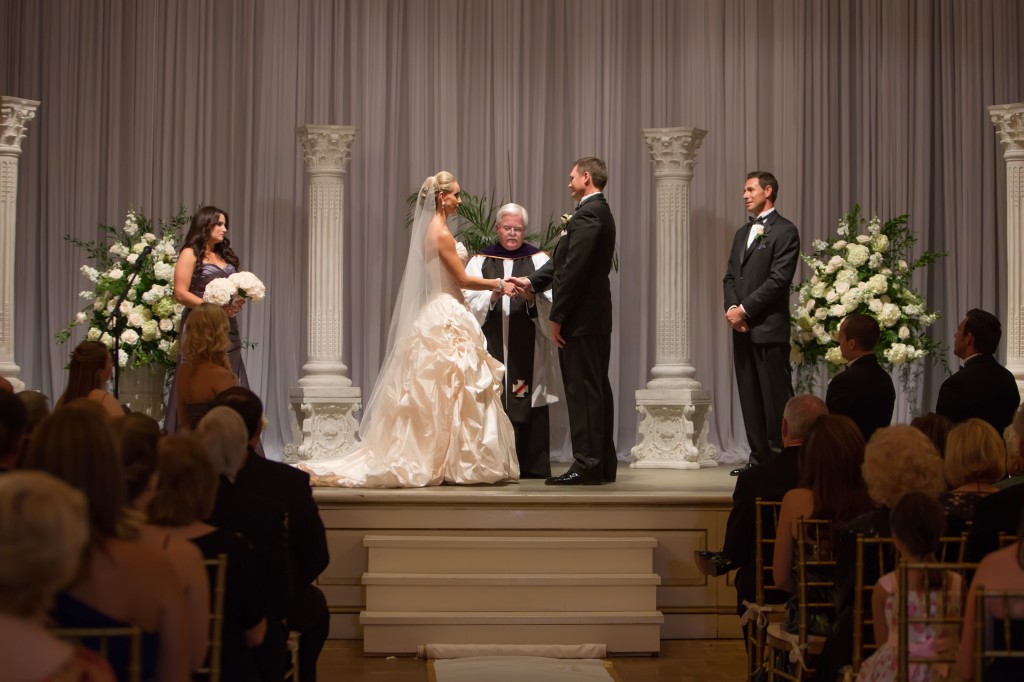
{"x":681,"y":510}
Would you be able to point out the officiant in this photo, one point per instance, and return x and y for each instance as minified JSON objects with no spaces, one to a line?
{"x":518,"y":336}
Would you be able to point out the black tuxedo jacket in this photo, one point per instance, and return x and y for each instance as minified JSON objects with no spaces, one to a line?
{"x":759,"y":278}
{"x":769,"y":481}
{"x":864,"y":393}
{"x":578,"y":271}
{"x":289,"y":487}
{"x":982,"y":388}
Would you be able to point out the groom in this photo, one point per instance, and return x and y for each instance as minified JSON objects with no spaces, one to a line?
{"x":581,"y":323}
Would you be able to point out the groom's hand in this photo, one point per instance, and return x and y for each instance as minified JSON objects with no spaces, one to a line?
{"x":522,"y":284}
{"x":556,"y":334}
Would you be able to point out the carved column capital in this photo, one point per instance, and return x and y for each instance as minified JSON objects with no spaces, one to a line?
{"x":15,"y":113}
{"x":674,"y":150}
{"x":1009,"y":122}
{"x":326,"y":148}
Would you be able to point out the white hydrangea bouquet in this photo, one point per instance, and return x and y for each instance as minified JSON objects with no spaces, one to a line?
{"x":148,"y":318}
{"x":240,"y":285}
{"x":865,"y":273}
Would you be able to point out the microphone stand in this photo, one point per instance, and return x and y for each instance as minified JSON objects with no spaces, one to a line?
{"x":114,"y":320}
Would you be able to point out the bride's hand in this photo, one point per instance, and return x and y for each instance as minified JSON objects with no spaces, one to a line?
{"x":508,"y":289}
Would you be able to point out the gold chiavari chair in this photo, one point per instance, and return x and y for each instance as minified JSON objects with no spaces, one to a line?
{"x":217,"y":569}
{"x":880,"y":554}
{"x":1005,"y":539}
{"x":942,"y":611}
{"x":100,"y":640}
{"x":293,"y":652}
{"x":999,"y":619}
{"x":815,"y":584}
{"x":760,"y":613}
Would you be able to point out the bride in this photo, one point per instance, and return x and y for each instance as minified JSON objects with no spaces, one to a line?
{"x":435,"y":415}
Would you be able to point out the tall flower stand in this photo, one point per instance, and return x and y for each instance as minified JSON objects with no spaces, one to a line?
{"x":142,"y":390}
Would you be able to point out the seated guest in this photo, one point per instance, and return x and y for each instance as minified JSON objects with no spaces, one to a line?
{"x":122,"y":582}
{"x":897,"y":460}
{"x":1014,"y":465}
{"x":259,"y":520}
{"x":91,"y":368}
{"x":936,"y":427}
{"x":43,"y":532}
{"x":1003,"y":569}
{"x":982,"y":388}
{"x":307,"y":539}
{"x":186,"y":489}
{"x":999,"y":512}
{"x":974,"y":462}
{"x":769,"y":481}
{"x":139,"y":437}
{"x":863,"y":391}
{"x":205,"y":371}
{"x":918,"y":523}
{"x":831,"y":488}
{"x":13,"y":423}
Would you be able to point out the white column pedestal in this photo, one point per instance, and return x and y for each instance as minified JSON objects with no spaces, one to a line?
{"x":1008,"y":120}
{"x":325,"y":398}
{"x":15,"y":113}
{"x":672,"y":432}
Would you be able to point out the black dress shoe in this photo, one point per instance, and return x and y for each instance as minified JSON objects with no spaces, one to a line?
{"x":572,"y":478}
{"x":713,"y":564}
{"x":740,"y":470}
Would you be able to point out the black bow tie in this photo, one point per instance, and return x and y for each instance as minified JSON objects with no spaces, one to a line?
{"x":754,"y":220}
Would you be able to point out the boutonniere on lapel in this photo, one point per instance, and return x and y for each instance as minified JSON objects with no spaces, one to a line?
{"x":566,"y":217}
{"x":758,"y":231}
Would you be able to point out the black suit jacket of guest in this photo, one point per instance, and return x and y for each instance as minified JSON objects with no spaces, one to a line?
{"x":759,"y":278}
{"x":997,"y":513}
{"x":289,"y":487}
{"x":982,"y":388}
{"x":578,"y":271}
{"x":769,"y":481}
{"x":864,"y":393}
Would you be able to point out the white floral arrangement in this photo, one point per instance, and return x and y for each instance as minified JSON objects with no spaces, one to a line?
{"x":865,"y":273}
{"x":240,"y":285}
{"x":148,"y":317}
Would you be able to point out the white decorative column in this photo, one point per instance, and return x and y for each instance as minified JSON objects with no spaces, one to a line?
{"x":15,"y":113}
{"x":674,"y":409}
{"x":1009,"y":122}
{"x":325,"y":398}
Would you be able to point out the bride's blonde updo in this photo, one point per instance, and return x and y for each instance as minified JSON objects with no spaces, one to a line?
{"x":442,"y":182}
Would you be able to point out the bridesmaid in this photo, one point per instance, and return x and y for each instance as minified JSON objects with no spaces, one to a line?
{"x":205,"y":256}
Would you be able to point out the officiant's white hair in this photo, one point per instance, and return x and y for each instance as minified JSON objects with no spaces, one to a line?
{"x":513,"y":209}
{"x":225,"y":438}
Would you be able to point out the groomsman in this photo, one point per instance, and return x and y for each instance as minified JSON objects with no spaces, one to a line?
{"x":516,"y":330}
{"x":756,"y":284}
{"x":863,"y":391}
{"x":581,"y":323}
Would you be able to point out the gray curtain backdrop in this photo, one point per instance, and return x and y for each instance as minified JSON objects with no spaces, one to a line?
{"x":162,"y":103}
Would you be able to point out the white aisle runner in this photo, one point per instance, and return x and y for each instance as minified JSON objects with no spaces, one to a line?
{"x":520,"y":669}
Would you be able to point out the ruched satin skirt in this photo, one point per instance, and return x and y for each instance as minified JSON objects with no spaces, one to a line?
{"x":438,"y":416}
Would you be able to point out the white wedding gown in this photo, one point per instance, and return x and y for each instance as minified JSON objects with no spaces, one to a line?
{"x":438,"y":416}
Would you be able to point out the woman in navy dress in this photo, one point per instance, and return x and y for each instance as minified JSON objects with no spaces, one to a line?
{"x":206,"y":256}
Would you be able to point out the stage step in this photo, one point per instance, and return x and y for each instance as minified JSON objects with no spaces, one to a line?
{"x":510,"y":590}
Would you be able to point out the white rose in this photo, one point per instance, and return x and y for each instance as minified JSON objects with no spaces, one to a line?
{"x":139,"y":247}
{"x":809,"y":306}
{"x":132,"y":258}
{"x":149,"y":237}
{"x":80,"y":317}
{"x":839,"y":245}
{"x":834,"y":264}
{"x":838,"y":310}
{"x":93,"y":334}
{"x":818,"y":290}
{"x":821,"y":313}
{"x":179,"y":309}
{"x":857,"y":255}
{"x":150,"y":330}
{"x":110,"y":305}
{"x":904,"y":332}
{"x":831,"y":296}
{"x":863,"y":239}
{"x":129,"y":337}
{"x":842,"y":287}
{"x":166,"y":325}
{"x":875,"y":306}
{"x":135,"y":320}
{"x":168,"y":249}
{"x":98,"y":304}
{"x":804,"y":322}
{"x":115,"y":273}
{"x":107,"y":340}
{"x":126,"y":308}
{"x":133,"y":295}
{"x":903,"y":266}
{"x":847,"y":275}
